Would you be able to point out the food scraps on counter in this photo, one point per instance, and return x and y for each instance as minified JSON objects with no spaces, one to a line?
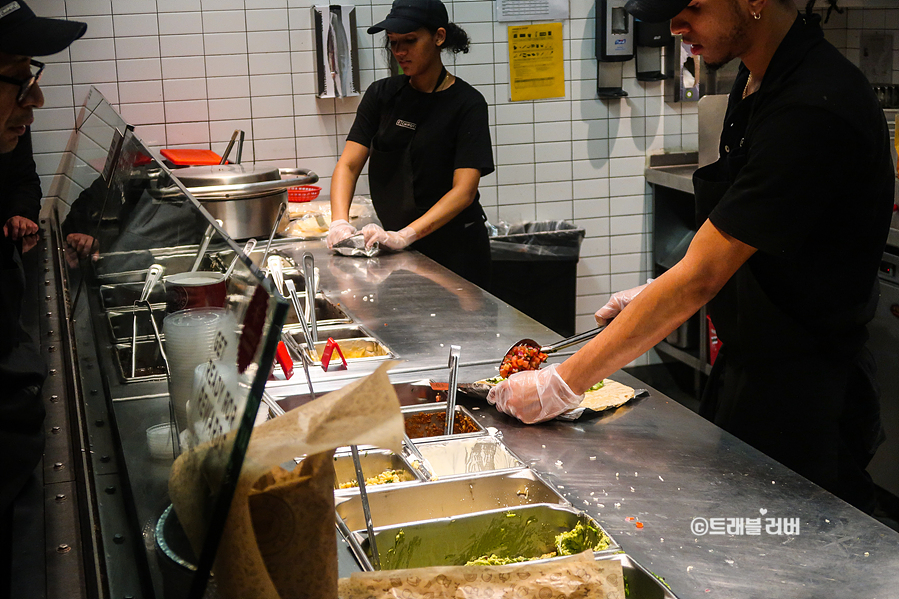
{"x":521,"y":357}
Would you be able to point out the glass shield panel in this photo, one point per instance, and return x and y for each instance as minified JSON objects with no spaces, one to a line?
{"x":182,"y":322}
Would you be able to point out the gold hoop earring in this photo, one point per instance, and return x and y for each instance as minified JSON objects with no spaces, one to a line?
{"x":756,"y":15}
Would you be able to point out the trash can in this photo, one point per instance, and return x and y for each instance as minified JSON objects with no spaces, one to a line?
{"x":535,"y":270}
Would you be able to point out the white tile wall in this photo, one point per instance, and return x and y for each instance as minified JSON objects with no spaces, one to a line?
{"x":189,"y":72}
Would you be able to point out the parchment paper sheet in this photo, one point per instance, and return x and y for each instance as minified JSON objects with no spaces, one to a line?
{"x":570,"y":578}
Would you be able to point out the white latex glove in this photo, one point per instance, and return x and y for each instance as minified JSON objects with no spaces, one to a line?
{"x":394,"y":240}
{"x":534,"y":395}
{"x":339,"y":230}
{"x":617,"y":303}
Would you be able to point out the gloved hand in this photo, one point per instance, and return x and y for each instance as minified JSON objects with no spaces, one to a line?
{"x":617,"y":303}
{"x":534,"y":395}
{"x":339,"y":230}
{"x":394,"y":240}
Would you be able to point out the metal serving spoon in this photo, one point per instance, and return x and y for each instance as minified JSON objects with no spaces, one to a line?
{"x":553,"y":347}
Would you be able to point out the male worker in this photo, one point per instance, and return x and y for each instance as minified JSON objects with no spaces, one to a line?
{"x":804,"y":183}
{"x":22,"y":369}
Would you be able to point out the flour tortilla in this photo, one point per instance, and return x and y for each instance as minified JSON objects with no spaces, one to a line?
{"x":611,"y":395}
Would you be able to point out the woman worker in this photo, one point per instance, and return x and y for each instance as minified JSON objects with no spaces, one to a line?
{"x":426,"y":133}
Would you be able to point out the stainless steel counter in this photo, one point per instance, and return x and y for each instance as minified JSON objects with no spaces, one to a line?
{"x":652,"y":460}
{"x":662,"y":465}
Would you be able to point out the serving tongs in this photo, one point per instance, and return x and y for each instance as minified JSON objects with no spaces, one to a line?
{"x":311,"y":285}
{"x":455,"y":353}
{"x":153,"y":276}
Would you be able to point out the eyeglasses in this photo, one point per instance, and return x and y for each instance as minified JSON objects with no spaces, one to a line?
{"x":25,"y":85}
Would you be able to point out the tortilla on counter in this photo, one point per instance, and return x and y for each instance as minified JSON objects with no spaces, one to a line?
{"x":611,"y":395}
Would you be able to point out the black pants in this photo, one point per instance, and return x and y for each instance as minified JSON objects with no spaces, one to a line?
{"x":818,"y":415}
{"x":464,"y":248}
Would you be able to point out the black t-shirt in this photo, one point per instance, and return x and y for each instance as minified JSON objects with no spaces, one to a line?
{"x":20,"y":186}
{"x":811,"y":182}
{"x":451,"y":131}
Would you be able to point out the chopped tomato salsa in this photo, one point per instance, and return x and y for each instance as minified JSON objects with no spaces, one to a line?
{"x":522,"y":357}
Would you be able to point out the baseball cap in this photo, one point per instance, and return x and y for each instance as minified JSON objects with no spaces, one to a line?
{"x":655,"y":11}
{"x":25,"y":34}
{"x":408,"y":15}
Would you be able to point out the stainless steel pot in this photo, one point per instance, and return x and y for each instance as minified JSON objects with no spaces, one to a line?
{"x":246,"y":198}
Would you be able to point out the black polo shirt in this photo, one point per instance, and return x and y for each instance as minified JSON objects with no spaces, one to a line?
{"x":812,"y":182}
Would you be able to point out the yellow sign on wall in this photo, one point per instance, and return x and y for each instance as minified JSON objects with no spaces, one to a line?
{"x":536,"y":69}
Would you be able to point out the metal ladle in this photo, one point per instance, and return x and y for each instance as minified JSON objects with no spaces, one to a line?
{"x":554,"y":347}
{"x":247,"y":249}
{"x":153,"y":276}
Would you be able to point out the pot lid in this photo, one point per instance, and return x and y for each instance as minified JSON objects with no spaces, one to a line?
{"x":225,"y":174}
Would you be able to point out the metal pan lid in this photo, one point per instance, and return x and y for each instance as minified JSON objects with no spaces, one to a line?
{"x":226,"y":174}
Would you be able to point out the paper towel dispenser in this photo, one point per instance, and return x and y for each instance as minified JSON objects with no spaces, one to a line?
{"x":336,"y":52}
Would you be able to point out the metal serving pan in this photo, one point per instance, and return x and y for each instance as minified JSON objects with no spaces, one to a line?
{"x":433,"y":417}
{"x":327,"y":313}
{"x":639,"y":582}
{"x":374,"y":462}
{"x":122,"y":296}
{"x":473,"y":455}
{"x":395,"y":505}
{"x":528,"y":531}
{"x":121,"y":324}
{"x":149,"y":365}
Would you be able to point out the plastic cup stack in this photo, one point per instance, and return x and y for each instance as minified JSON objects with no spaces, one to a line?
{"x":193,"y":337}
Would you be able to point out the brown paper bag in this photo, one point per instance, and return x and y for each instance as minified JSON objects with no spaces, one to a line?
{"x":365,"y":412}
{"x":289,"y":508}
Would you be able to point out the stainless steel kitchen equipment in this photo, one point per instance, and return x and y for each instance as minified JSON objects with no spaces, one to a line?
{"x":246,"y":198}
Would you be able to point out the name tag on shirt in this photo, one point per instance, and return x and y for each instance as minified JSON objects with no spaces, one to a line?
{"x":405,"y":124}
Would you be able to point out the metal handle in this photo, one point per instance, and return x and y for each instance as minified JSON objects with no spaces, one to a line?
{"x":273,"y":406}
{"x":277,"y":272}
{"x":230,"y":145}
{"x":423,"y":462}
{"x":366,"y":509}
{"x":309,"y":275}
{"x":291,"y":344}
{"x":568,"y":342}
{"x":455,"y":353}
{"x":207,"y":237}
{"x":271,"y":237}
{"x":225,"y":192}
{"x":295,"y":299}
{"x":247,"y":249}
{"x":153,"y":276}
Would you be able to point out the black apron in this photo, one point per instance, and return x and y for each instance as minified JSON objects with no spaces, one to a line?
{"x":462,"y":245}
{"x":810,"y":403}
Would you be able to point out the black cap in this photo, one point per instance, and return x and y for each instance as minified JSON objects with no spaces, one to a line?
{"x":25,"y":34}
{"x":408,"y":15}
{"x":655,"y":11}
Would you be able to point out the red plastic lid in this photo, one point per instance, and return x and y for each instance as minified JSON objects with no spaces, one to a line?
{"x":190,"y":157}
